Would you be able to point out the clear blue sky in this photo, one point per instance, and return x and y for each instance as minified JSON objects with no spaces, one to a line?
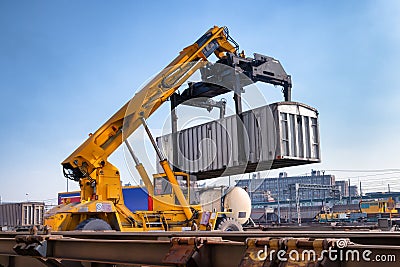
{"x":66,"y":66}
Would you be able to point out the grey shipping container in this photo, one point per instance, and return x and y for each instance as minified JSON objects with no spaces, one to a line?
{"x":278,"y":135}
{"x":21,"y":215}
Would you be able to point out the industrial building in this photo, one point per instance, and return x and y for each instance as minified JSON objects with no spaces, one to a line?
{"x":343,"y":187}
{"x":265,"y":191}
{"x":353,"y":190}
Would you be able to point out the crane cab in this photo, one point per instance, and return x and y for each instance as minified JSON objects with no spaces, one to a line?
{"x":164,"y":197}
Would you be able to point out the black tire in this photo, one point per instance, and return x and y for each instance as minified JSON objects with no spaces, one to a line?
{"x":229,"y":225}
{"x":93,"y":224}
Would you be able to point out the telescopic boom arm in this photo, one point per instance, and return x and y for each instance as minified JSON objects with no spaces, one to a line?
{"x":93,"y":153}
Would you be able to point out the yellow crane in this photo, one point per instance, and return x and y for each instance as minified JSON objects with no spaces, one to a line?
{"x":102,"y":205}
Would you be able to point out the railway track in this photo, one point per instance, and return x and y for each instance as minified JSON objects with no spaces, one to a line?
{"x":72,"y":249}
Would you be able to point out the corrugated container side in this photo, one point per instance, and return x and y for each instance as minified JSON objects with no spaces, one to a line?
{"x":10,"y":214}
{"x":21,"y":214}
{"x":279,"y":135}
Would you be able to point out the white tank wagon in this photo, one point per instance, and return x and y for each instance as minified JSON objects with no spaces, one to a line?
{"x":234,"y":200}
{"x":278,"y":135}
{"x":238,"y":202}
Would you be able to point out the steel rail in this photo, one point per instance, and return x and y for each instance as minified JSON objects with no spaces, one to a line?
{"x":359,"y":237}
{"x":166,"y":248}
{"x":364,"y":237}
{"x":126,"y":252}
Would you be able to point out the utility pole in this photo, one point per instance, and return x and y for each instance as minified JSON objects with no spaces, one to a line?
{"x":250,"y":185}
{"x":290,"y":203}
{"x":324,"y":200}
{"x":298,"y":204}
{"x":279,"y":205}
{"x":349,"y":193}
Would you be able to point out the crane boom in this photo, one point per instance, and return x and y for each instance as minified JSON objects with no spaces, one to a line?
{"x":93,"y":153}
{"x":170,"y":207}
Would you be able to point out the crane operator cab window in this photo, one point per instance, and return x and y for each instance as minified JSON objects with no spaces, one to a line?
{"x":163,"y":188}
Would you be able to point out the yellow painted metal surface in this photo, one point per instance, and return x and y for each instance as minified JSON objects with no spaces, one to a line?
{"x":99,"y":180}
{"x":378,"y":206}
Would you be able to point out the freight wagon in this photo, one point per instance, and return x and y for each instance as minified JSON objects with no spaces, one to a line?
{"x":135,"y":198}
{"x":21,"y":216}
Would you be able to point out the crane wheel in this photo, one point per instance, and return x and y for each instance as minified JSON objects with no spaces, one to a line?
{"x":229,"y":224}
{"x":93,"y":224}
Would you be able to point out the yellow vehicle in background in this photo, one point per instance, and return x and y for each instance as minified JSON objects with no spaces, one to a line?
{"x":378,"y":206}
{"x":369,"y":211}
{"x":101,"y":205}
